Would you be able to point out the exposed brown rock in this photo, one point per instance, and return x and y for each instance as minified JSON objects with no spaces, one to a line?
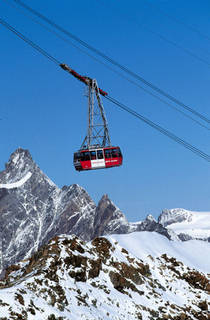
{"x":120,"y":283}
{"x":203,"y":305}
{"x":19,"y":297}
{"x":10,"y":269}
{"x":124,"y":251}
{"x":197,"y":280}
{"x":102,"y":247}
{"x":78,"y":275}
{"x":74,"y":245}
{"x":96,"y":266}
{"x":129,"y":272}
{"x":76,"y":261}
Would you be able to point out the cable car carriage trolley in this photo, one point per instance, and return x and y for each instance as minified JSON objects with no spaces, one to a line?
{"x":96,"y":151}
{"x":97,"y":158}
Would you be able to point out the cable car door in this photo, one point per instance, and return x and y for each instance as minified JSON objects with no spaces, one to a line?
{"x":97,"y":159}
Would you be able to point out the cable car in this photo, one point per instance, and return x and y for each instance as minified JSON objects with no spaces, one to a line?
{"x":97,"y":158}
{"x":96,"y":151}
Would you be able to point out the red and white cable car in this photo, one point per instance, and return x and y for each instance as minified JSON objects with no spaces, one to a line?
{"x":96,"y":151}
{"x":98,"y":158}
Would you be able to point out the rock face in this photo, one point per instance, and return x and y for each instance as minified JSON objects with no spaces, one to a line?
{"x":71,"y":279}
{"x":150,"y":224}
{"x":187,"y":224}
{"x":171,"y":216}
{"x":109,"y":218}
{"x":33,"y":210}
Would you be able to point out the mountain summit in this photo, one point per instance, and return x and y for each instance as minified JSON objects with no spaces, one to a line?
{"x":187,"y":224}
{"x":33,"y":210}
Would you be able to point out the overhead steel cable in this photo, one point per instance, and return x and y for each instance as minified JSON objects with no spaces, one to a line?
{"x":114,"y":62}
{"x":177,"y":45}
{"x":179,"y":21}
{"x":167,"y":133}
{"x":152,"y":124}
{"x":164,"y":38}
{"x":113,"y":70}
{"x":31,"y":43}
{"x":58,"y":35}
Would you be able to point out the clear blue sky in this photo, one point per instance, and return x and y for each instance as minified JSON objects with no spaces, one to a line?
{"x":44,"y":109}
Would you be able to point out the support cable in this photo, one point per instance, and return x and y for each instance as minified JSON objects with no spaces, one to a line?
{"x":167,"y":133}
{"x":115,"y":71}
{"x":164,"y":38}
{"x":114,"y":62}
{"x":27,"y":40}
{"x":178,"y":20}
{"x":152,"y":124}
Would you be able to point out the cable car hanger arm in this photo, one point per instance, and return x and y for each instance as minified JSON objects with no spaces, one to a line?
{"x":84,"y":79}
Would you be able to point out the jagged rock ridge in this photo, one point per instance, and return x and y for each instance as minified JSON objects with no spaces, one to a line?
{"x":187,"y":224}
{"x":71,"y":279}
{"x":33,"y":210}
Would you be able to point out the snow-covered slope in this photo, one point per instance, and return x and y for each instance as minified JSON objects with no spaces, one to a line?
{"x":187,"y":224}
{"x":193,"y":253}
{"x":16,"y":184}
{"x":69,"y":279}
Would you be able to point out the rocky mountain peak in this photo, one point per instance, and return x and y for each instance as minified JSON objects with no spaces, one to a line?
{"x":109,"y":217}
{"x":169,"y":216}
{"x":19,"y":158}
{"x":20,"y":153}
{"x":149,"y":217}
{"x":105,"y":197}
{"x":33,"y":210}
{"x":105,"y":202}
{"x":187,"y":224}
{"x":19,"y":164}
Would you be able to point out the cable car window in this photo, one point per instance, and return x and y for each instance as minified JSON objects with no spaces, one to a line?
{"x":77,"y":156}
{"x":115,"y":153}
{"x":100,"y":154}
{"x":93,"y":155}
{"x":82,"y":156}
{"x":107,"y":153}
{"x":85,"y":156}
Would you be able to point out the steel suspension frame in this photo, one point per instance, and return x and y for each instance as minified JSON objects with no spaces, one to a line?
{"x":97,"y":133}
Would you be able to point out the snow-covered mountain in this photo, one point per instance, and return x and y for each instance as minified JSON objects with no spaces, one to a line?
{"x":51,"y":274}
{"x":187,"y":224}
{"x":72,"y":279}
{"x":33,"y":210}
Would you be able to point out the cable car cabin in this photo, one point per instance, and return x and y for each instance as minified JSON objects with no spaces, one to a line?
{"x":97,"y":158}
